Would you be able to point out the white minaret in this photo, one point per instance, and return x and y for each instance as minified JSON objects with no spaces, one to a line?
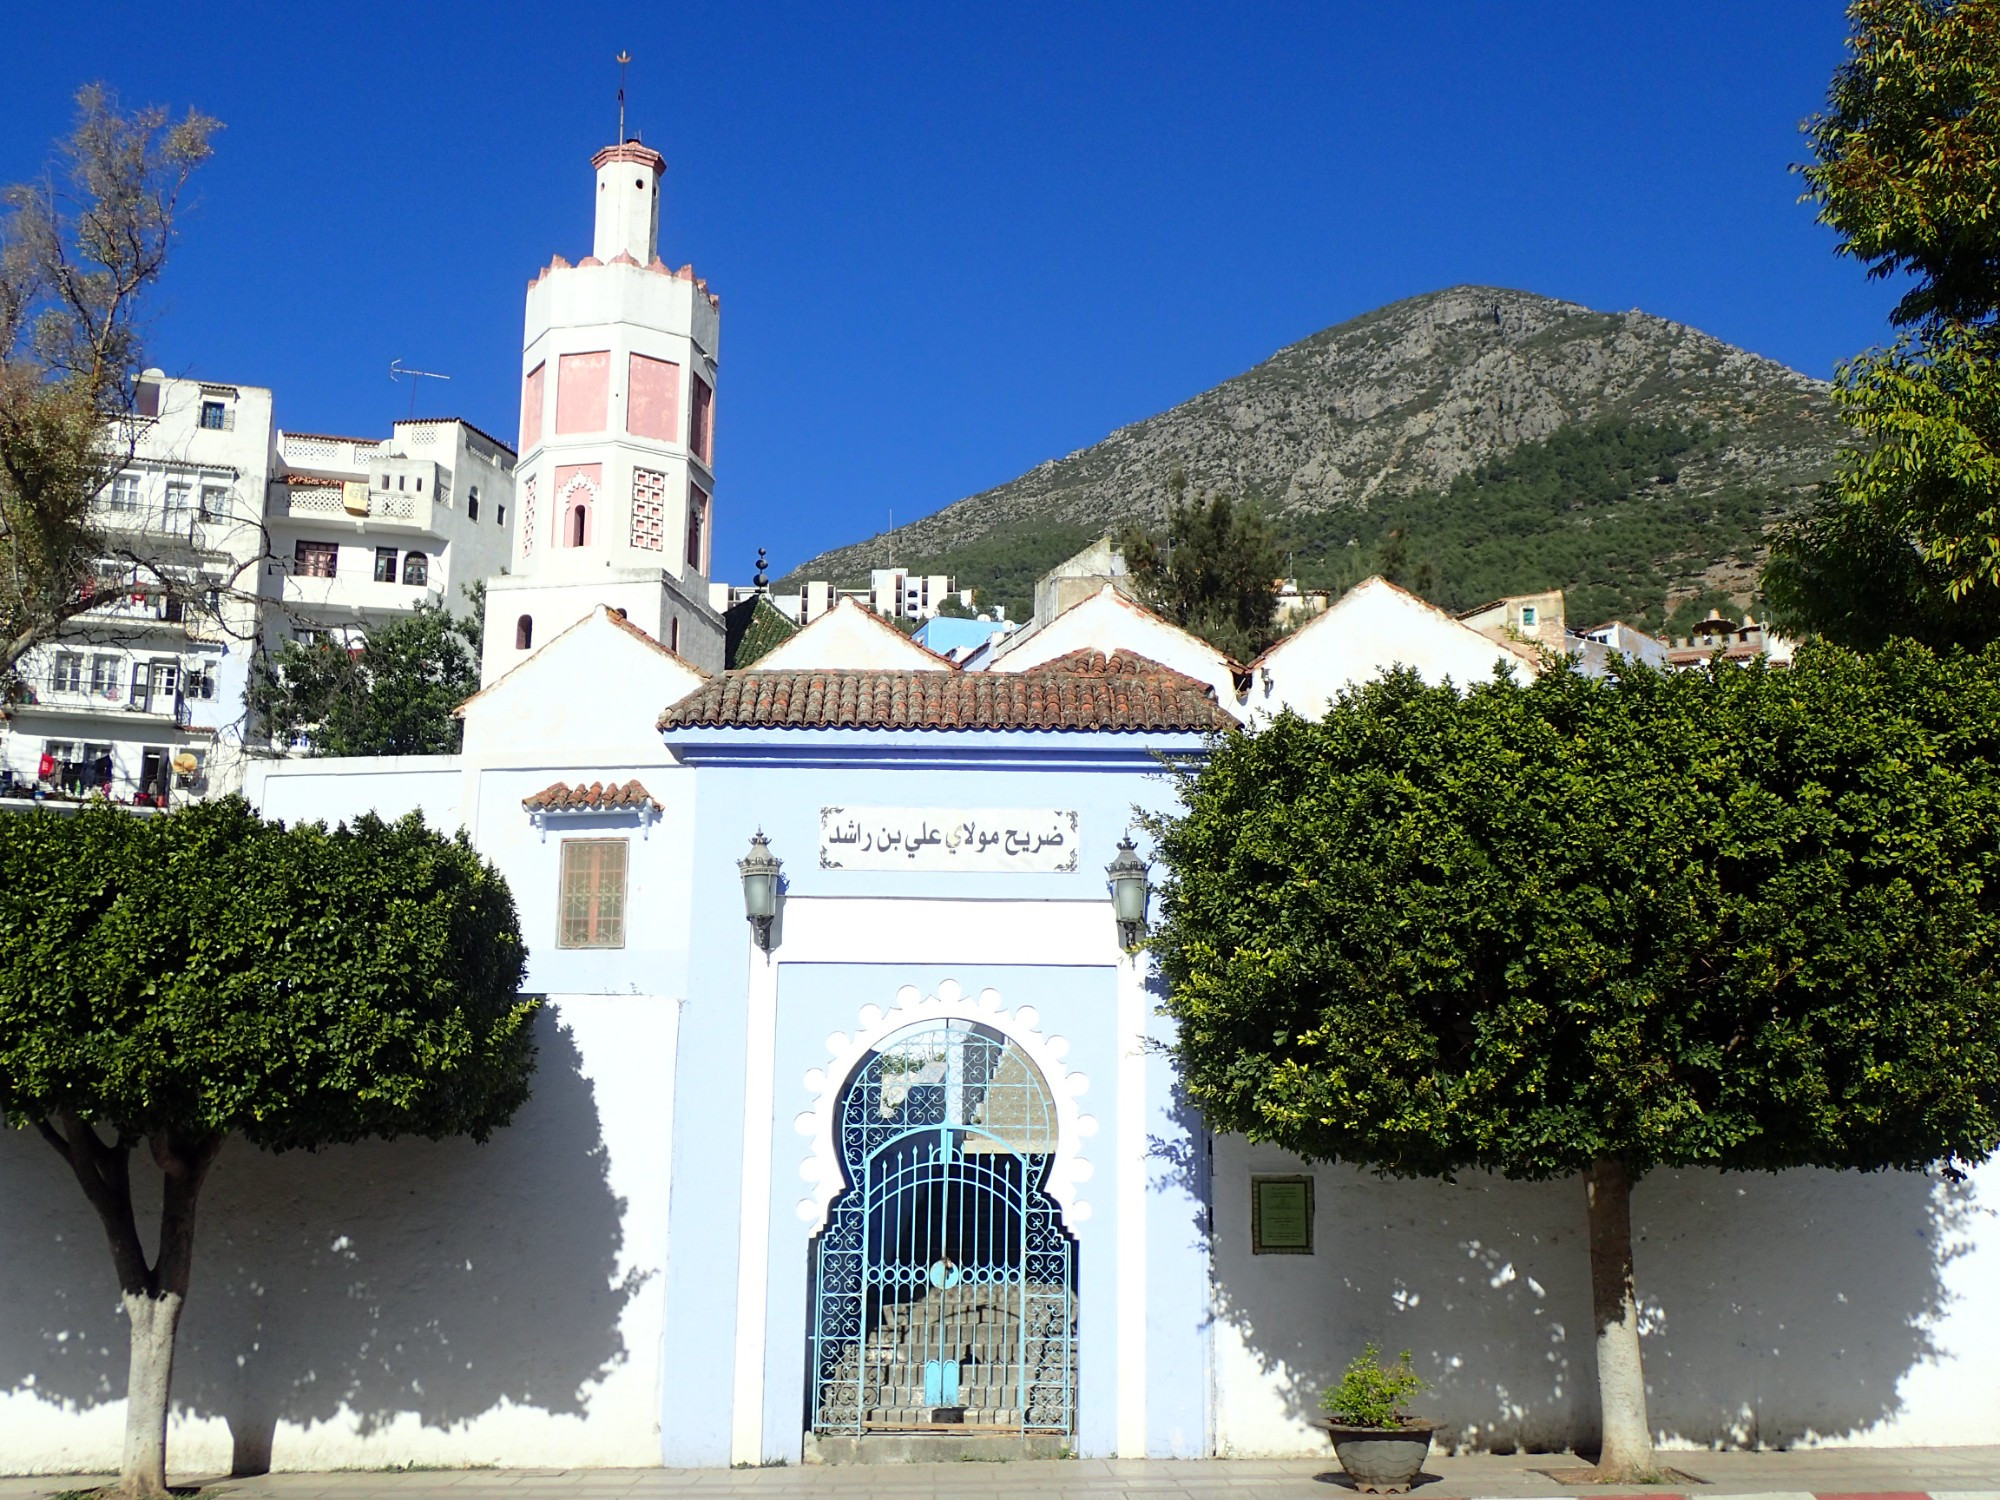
{"x":616,"y":478}
{"x":628,"y":202}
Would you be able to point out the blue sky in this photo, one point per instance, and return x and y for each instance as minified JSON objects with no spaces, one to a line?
{"x":953,"y":241}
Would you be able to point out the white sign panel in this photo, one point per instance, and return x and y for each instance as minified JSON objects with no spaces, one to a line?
{"x":1021,"y":840}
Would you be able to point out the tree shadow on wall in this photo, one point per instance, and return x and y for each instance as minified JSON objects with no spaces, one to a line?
{"x":439,"y":1279}
{"x":1772,"y":1306}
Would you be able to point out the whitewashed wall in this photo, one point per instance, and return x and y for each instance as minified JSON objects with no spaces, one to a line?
{"x":1371,"y":628}
{"x":1108,"y":621}
{"x":849,"y":637}
{"x":390,"y":1303}
{"x":1807,"y":1307}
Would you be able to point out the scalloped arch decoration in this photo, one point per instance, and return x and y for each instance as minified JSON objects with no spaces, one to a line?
{"x":821,"y":1167}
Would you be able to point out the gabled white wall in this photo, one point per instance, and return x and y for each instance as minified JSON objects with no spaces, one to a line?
{"x":850,"y":638}
{"x":597,"y":689}
{"x":1108,"y":621}
{"x":1371,"y":628}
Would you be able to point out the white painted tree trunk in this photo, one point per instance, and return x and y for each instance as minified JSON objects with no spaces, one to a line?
{"x":154,"y":1319}
{"x":1621,"y":1380}
{"x":153,"y":1294}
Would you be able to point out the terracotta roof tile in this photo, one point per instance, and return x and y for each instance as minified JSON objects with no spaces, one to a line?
{"x":1082,"y":691}
{"x":597,"y":797}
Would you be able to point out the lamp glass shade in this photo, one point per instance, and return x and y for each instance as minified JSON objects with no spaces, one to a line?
{"x":760,"y":893}
{"x":1127,"y":877}
{"x":1128,"y":897}
{"x":759,"y":870}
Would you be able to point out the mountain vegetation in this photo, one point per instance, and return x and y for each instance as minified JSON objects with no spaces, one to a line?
{"x":1211,"y":573}
{"x":1460,"y":419}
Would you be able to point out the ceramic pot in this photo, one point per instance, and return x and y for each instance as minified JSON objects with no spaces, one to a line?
{"x":1380,"y":1460}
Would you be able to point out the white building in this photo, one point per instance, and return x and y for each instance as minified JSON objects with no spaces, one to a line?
{"x":893,"y":593}
{"x":899,"y":594}
{"x":227,"y":537}
{"x":143,"y":696}
{"x":617,"y":469}
{"x":362,"y":531}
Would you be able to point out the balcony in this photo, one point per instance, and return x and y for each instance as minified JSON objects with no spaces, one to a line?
{"x":185,"y":524}
{"x":317,"y":454}
{"x":329,"y":502}
{"x":347,"y":597}
{"x":160,"y":708}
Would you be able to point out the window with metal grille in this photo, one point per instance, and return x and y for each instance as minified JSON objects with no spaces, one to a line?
{"x":697,"y":526}
{"x":215,"y":416}
{"x":593,"y":894}
{"x":315,"y":559}
{"x":701,"y":426}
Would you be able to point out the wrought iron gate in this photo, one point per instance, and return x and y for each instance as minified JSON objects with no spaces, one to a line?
{"x":944,"y":1281}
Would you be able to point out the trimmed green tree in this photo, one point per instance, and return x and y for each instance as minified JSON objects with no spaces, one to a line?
{"x":173,"y":981}
{"x":1737,"y":918}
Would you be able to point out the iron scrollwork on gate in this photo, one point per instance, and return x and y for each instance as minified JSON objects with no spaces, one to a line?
{"x":944,"y":1281}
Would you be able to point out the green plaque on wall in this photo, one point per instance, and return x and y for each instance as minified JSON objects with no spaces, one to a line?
{"x":1281,"y":1215}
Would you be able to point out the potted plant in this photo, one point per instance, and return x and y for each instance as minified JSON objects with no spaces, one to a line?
{"x":1380,"y":1445}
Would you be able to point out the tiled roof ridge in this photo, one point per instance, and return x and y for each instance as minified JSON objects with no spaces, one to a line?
{"x":1083,"y":691}
{"x":560,"y":796}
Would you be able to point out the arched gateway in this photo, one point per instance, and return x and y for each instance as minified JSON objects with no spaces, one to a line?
{"x":944,"y":1281}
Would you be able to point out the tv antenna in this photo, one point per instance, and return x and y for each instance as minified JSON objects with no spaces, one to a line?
{"x":622,"y":59}
{"x":399,"y":371}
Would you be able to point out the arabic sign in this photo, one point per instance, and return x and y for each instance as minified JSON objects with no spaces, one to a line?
{"x":1019,"y":840}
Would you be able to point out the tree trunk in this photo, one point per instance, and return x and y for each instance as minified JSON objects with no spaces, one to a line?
{"x":153,"y":1295}
{"x":142,"y":1470}
{"x":1627,"y":1453}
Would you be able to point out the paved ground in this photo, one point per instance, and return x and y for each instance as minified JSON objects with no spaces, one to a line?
{"x":1846,"y":1473}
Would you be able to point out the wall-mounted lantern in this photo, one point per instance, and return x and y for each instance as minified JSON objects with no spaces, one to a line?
{"x":760,"y":869}
{"x":1126,"y":876}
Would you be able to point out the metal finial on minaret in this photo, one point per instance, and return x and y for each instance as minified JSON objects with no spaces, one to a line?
{"x":624,"y":57}
{"x":760,"y":580}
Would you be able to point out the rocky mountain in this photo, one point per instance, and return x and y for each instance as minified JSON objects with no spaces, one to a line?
{"x":1517,"y":442}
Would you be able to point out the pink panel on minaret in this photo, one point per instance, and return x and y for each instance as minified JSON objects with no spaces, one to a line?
{"x":583,"y":391}
{"x":653,"y":399}
{"x":531,"y":409}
